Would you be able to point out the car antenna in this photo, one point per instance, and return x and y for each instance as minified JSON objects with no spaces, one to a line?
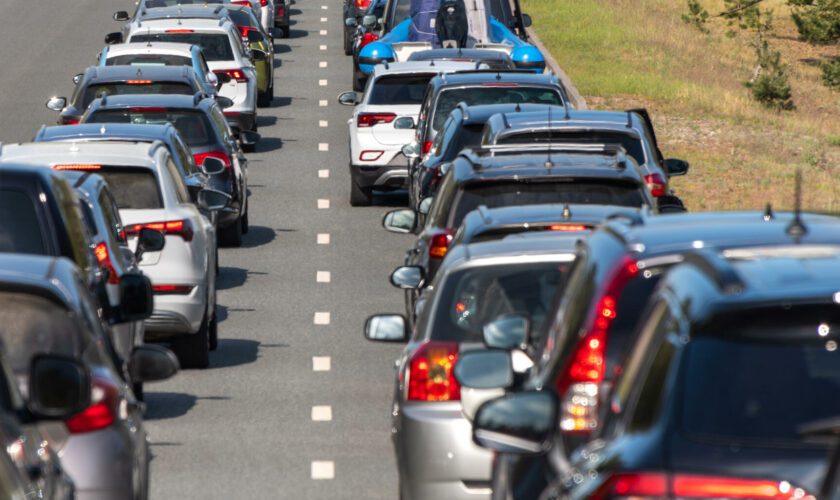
{"x":796,"y":229}
{"x":498,"y":75}
{"x":518,"y":108}
{"x":548,"y":163}
{"x":768,"y":213}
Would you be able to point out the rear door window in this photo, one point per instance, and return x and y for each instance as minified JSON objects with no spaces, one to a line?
{"x":20,"y":229}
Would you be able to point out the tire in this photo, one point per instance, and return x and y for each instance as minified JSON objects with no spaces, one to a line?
{"x":193,"y":351}
{"x":246,"y":225}
{"x":231,"y":236}
{"x":348,"y":42}
{"x":214,"y":334}
{"x":359,"y":196}
{"x":264,"y":98}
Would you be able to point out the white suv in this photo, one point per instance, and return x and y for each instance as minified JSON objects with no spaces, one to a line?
{"x":221,"y":43}
{"x":384,"y":121}
{"x":150,"y":192}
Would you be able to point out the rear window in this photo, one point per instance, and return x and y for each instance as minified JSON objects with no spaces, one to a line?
{"x":20,"y":230}
{"x":475,"y":96}
{"x":194,"y":126}
{"x":758,"y":390}
{"x":505,"y":194}
{"x":93,"y":91}
{"x":148,"y":60}
{"x":216,"y":46}
{"x":631,"y":144}
{"x":473,"y":297}
{"x":133,"y":188}
{"x":151,"y":4}
{"x":399,"y":89}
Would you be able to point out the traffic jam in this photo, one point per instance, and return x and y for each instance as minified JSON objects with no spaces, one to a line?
{"x":570,"y":329}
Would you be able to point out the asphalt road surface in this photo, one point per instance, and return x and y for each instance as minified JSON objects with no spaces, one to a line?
{"x":289,"y":408}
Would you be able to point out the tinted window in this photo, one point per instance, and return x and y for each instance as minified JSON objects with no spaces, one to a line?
{"x":505,"y":194}
{"x":399,"y":89}
{"x":93,"y":91}
{"x":242,"y":18}
{"x":20,"y":230}
{"x":133,"y":188}
{"x":177,"y":182}
{"x":148,"y":60}
{"x":632,"y":145}
{"x":474,"y":297}
{"x":629,"y":308}
{"x":170,"y":3}
{"x":758,"y":389}
{"x":474,"y":96}
{"x":194,"y":126}
{"x":216,"y":46}
{"x":71,"y":214}
{"x":468,"y":136}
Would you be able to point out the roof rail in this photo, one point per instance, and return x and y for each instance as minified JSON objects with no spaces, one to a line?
{"x":485,"y":216}
{"x":199,"y":96}
{"x":505,"y":120}
{"x":156,"y":144}
{"x":716,"y":268}
{"x":464,"y":107}
{"x":563,"y":147}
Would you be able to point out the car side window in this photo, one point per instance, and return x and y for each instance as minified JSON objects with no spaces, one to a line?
{"x":100,"y":350}
{"x":202,"y":64}
{"x":446,"y":134}
{"x":177,"y":181}
{"x":73,"y":223}
{"x":112,"y":219}
{"x":439,"y":211}
{"x":183,"y":153}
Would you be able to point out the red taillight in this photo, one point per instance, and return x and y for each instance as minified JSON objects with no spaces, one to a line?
{"x":181,"y":228}
{"x":279,"y":11}
{"x":69,"y":120}
{"x":656,"y":184}
{"x":439,"y":245}
{"x":172,"y":289}
{"x":241,"y":2}
{"x":138,"y":82}
{"x":244,"y":30}
{"x":263,"y":3}
{"x":579,"y":384}
{"x":77,"y":166}
{"x":362,"y":4}
{"x":234,"y":74}
{"x":101,"y":413}
{"x":431,"y":372}
{"x":199,"y":157}
{"x":427,"y":146}
{"x":104,"y":259}
{"x":367,"y":38}
{"x":370,"y":119}
{"x":146,"y":110}
{"x":650,"y":485}
{"x":568,"y":228}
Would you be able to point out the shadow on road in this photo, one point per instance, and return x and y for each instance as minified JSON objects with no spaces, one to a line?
{"x":269,"y":144}
{"x":298,"y":33}
{"x":391,"y":199}
{"x":266,"y":121}
{"x":164,"y":405}
{"x":258,"y":236}
{"x":234,"y":352}
{"x":231,"y":277}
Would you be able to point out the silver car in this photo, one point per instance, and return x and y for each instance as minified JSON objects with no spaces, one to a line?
{"x":476,"y":285}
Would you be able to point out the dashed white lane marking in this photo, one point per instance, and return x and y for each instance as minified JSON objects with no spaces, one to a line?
{"x":322,"y":103}
{"x":321,"y":363}
{"x":321,"y":413}
{"x":322,"y":83}
{"x":323,"y":469}
{"x":324,"y":174}
{"x":323,"y":19}
{"x":324,"y":7}
{"x":323,"y":32}
{"x":323,"y":146}
{"x":323,"y":238}
{"x":323,"y":277}
{"x":323,"y":47}
{"x":323,"y":123}
{"x":322,"y":64}
{"x":321,"y":318}
{"x":323,"y":204}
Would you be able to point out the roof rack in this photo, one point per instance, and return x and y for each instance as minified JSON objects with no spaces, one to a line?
{"x":561,"y":147}
{"x":718,"y":269}
{"x":494,"y":71}
{"x":199,"y":96}
{"x":485,"y":216}
{"x":464,"y":107}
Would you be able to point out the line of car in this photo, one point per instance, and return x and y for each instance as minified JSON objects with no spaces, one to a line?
{"x":570,"y":331}
{"x":110,"y":224}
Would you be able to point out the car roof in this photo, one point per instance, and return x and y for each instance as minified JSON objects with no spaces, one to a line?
{"x":98,"y":74}
{"x":489,"y":77}
{"x":173,"y":48}
{"x":106,"y":132}
{"x":484,"y":219}
{"x":51,"y":277}
{"x":68,"y":153}
{"x":206,"y":24}
{"x":562,"y":118}
{"x":188,"y":11}
{"x":471,"y":54}
{"x":175,"y":101}
{"x":525,"y":247}
{"x":421,"y":67}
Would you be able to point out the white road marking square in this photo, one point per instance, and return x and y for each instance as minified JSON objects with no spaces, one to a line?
{"x":323,"y":146}
{"x":324,"y":174}
{"x":321,"y":363}
{"x":322,"y":103}
{"x":323,"y":47}
{"x":323,"y":32}
{"x":322,"y":318}
{"x":323,"y":19}
{"x":323,"y":238}
{"x":323,"y":123}
{"x":323,"y":204}
{"x":323,"y":469}
{"x":323,"y":277}
{"x":321,"y":413}
{"x":322,"y":64}
{"x":324,"y":7}
{"x":322,"y":83}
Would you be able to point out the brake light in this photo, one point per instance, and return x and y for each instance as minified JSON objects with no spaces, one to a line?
{"x":102,"y":411}
{"x":427,"y":146}
{"x":656,"y":184}
{"x":364,"y":120}
{"x":367,"y":38}
{"x":234,"y":74}
{"x":431,"y":372}
{"x":69,"y":120}
{"x":244,"y":30}
{"x":104,"y":259}
{"x":649,"y":485}
{"x":263,"y":3}
{"x":179,"y":31}
{"x":199,"y":158}
{"x":439,"y":244}
{"x":362,"y":4}
{"x":138,"y":82}
{"x":77,"y":166}
{"x":181,"y":228}
{"x":279,"y":11}
{"x":568,"y":228}
{"x":172,"y":289}
{"x":147,"y":110}
{"x":579,"y":384}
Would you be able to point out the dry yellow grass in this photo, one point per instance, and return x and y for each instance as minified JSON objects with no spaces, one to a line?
{"x":626,"y":53}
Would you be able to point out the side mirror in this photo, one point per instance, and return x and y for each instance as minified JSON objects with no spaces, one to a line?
{"x":386,"y":328}
{"x":351,"y":22}
{"x":254,"y":36}
{"x":484,"y":369}
{"x":212,"y":79}
{"x":77,"y":78}
{"x":210,"y":199}
{"x":508,"y":332}
{"x":369,"y":21}
{"x":113,"y":38}
{"x":151,"y":363}
{"x":58,"y":387}
{"x":348,"y":98}
{"x":121,"y":15}
{"x":136,"y":302}
{"x":521,"y":423}
{"x":56,"y":103}
{"x":526,"y":20}
{"x":404,"y":123}
{"x":258,"y":55}
{"x":675,"y":167}
{"x":224,"y":102}
{"x":400,"y":221}
{"x":149,"y":240}
{"x":212,"y":166}
{"x":249,"y":137}
{"x":408,"y":277}
{"x":411,"y":150}
{"x":425,"y":205}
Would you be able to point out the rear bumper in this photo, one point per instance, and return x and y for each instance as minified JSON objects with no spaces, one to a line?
{"x":241,"y":120}
{"x":386,"y":177}
{"x":176,"y":314}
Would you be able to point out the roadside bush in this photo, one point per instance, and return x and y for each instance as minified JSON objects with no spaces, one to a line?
{"x":831,"y":74}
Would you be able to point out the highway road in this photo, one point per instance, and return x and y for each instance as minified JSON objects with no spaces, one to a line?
{"x":296,"y":402}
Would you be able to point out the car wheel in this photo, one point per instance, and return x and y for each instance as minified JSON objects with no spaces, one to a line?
{"x":348,"y":42}
{"x":263,"y":99}
{"x":359,"y":196}
{"x":214,"y":333}
{"x":231,"y":236}
{"x":246,"y":225}
{"x":193,"y":351}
